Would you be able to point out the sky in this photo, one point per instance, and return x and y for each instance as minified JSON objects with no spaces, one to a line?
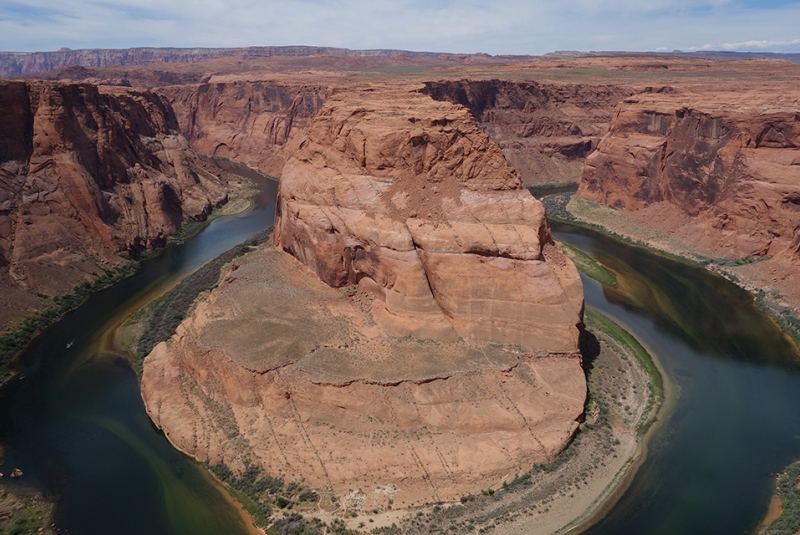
{"x":463,"y":26}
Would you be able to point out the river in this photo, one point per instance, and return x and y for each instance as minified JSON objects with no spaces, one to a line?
{"x":74,"y":421}
{"x":735,"y":422}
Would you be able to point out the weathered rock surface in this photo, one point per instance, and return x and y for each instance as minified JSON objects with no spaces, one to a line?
{"x":278,"y":369}
{"x":408,"y":198}
{"x":729,"y":161}
{"x":245,"y":121}
{"x":447,"y":360}
{"x":545,"y":130}
{"x":87,"y":176}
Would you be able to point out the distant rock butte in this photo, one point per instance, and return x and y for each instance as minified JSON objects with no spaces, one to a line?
{"x":86,"y":176}
{"x":408,"y":198}
{"x":729,"y":163}
{"x":446,"y":361}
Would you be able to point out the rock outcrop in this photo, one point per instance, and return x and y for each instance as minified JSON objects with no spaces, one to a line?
{"x":408,"y":198}
{"x":728,"y":161}
{"x":425,"y":346}
{"x":545,"y":130}
{"x":87,"y":176}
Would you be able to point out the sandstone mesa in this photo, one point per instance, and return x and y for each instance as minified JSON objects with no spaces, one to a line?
{"x":393,"y":394}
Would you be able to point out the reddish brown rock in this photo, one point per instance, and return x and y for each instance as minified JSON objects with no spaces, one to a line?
{"x":86,"y":176}
{"x":245,"y":121}
{"x":545,"y":130}
{"x":447,"y":364}
{"x":408,"y":198}
{"x":277,"y":369}
{"x":727,"y":160}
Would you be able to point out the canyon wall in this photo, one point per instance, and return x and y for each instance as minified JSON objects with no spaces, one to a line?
{"x":544,"y":130}
{"x":250,"y":122}
{"x":729,"y":162}
{"x":88,"y":176}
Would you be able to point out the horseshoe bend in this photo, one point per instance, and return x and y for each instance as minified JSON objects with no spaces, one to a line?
{"x":412,"y":335}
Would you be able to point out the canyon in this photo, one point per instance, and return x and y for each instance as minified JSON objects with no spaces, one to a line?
{"x":88,"y":177}
{"x":415,"y":306}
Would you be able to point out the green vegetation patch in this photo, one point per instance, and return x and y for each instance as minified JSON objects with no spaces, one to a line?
{"x":789,"y":487}
{"x":260,"y":493}
{"x":13,"y":341}
{"x":655,"y":383}
{"x":589,"y":266}
{"x":24,"y":514}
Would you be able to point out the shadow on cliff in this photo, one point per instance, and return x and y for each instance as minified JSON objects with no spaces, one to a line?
{"x":589,"y":347}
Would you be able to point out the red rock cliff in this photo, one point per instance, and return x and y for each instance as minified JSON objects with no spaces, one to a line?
{"x":545,"y":130}
{"x":729,"y":161}
{"x":86,"y":175}
{"x":245,"y":121}
{"x":408,"y":198}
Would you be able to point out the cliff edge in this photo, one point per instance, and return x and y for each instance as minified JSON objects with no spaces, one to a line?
{"x":87,"y":176}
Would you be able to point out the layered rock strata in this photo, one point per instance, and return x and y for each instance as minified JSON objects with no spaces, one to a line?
{"x":414,"y":203}
{"x":721,"y":170}
{"x":87,"y":176}
{"x":545,"y":130}
{"x":447,"y":360}
{"x":245,"y":121}
{"x":279,"y":370}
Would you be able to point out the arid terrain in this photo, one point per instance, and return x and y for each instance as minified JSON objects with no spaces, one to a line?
{"x":415,"y":307}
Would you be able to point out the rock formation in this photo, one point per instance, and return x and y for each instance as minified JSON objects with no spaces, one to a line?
{"x":245,"y":121}
{"x":86,"y":176}
{"x":729,"y":161}
{"x":545,"y":130}
{"x":414,"y":203}
{"x":447,"y":360}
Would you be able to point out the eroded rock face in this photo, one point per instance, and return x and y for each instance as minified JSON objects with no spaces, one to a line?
{"x":408,"y":198}
{"x":278,"y":369}
{"x":545,"y":130}
{"x":87,"y":176}
{"x":245,"y":121}
{"x":426,"y":347}
{"x":729,"y":161}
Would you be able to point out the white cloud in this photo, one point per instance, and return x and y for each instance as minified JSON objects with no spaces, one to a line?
{"x":748,"y":45}
{"x":499,"y":27}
